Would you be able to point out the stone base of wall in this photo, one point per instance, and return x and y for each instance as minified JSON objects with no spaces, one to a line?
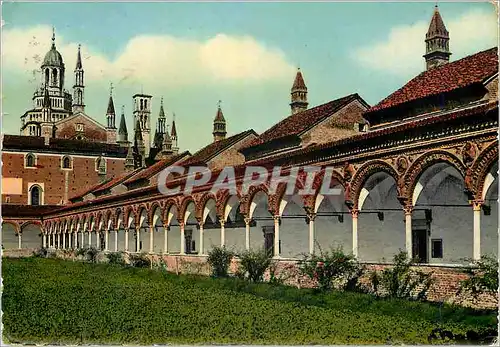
{"x":444,"y":289}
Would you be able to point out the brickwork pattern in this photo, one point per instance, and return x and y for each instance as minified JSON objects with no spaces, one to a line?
{"x":91,"y":131}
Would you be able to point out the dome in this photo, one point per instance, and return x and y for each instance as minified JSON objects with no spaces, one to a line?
{"x":53,"y":58}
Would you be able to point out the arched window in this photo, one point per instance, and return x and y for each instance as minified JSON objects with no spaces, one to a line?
{"x":30,"y":160}
{"x":35,"y":194}
{"x":46,"y":76}
{"x":54,"y":76}
{"x":146,"y":104}
{"x":142,"y":104}
{"x":66,"y":163}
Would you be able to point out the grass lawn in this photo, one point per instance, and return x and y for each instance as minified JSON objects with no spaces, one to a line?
{"x":57,"y":301}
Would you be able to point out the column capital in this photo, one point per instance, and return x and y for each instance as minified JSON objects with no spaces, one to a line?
{"x":354,"y":213}
{"x":476,"y":204}
{"x":310,"y":217}
{"x":222,"y":222}
{"x":247,"y":220}
{"x":276,"y":218}
{"x":408,"y":209}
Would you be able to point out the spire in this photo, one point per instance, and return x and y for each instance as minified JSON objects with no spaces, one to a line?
{"x":437,"y":39}
{"x":129,"y":160}
{"x":173,"y":134}
{"x":162,"y":111}
{"x":111,"y":106}
{"x":219,"y":131}
{"x":79,"y":59}
{"x":53,"y":38}
{"x":166,"y":148}
{"x":298,"y":94}
{"x":122,"y":131}
{"x":139,"y":148}
{"x":138,"y":134}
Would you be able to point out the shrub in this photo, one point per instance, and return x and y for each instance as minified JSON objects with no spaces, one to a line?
{"x":88,"y":253}
{"x":219,"y":259}
{"x":253,"y":264}
{"x":329,"y":268}
{"x":40,"y":253}
{"x":116,"y":258}
{"x":140,"y":260}
{"x":401,"y":281}
{"x":483,"y":278}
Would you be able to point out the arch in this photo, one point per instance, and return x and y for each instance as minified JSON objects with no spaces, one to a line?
{"x":155,"y":212}
{"x":30,"y":160}
{"x":246,"y":206}
{"x":35,"y":195}
{"x":118,"y":220}
{"x":47,"y":76}
{"x":109,"y":220}
{"x":16,"y":226}
{"x":184,"y":213}
{"x":168,"y":213}
{"x":207,"y":205}
{"x":54,"y":76}
{"x":142,"y":215}
{"x":475,"y":177}
{"x":66,"y":162}
{"x":353,"y":190}
{"x":410,"y":180}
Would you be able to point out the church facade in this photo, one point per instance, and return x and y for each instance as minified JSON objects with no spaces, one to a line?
{"x":417,"y":172}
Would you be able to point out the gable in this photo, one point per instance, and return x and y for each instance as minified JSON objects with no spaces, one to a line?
{"x":81,"y":126}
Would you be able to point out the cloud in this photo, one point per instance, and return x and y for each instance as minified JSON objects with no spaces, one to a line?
{"x":401,"y":53}
{"x":152,"y":60}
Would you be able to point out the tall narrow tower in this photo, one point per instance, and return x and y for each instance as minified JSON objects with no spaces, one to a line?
{"x":299,"y":94}
{"x":219,"y":131}
{"x":139,"y":147}
{"x":110,"y":119}
{"x":160,"y":127}
{"x":122,"y":138}
{"x":47,"y":124}
{"x":173,"y":136}
{"x":142,"y":118}
{"x":437,"y":50}
{"x":78,"y":88}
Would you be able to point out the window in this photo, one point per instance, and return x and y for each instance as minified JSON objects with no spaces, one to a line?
{"x":100,"y":165}
{"x":30,"y":160}
{"x":66,"y":163}
{"x":437,"y":248}
{"x":35,"y":195}
{"x":79,"y":127}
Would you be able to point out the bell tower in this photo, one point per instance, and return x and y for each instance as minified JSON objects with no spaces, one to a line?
{"x":78,"y":88}
{"x":437,"y":39}
{"x":299,"y":94}
{"x":142,"y":118}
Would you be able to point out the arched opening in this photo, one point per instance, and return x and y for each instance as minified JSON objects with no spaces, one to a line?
{"x":66,"y":163}
{"x":35,"y":195}
{"x":212,"y":227}
{"x":489,"y":215}
{"x":263,"y":229}
{"x":54,"y":77}
{"x":442,"y":217}
{"x":191,"y":234}
{"x":381,"y":228}
{"x":10,"y":238}
{"x":234,"y":222}
{"x":173,"y":229}
{"x":158,"y":232}
{"x":294,"y":234}
{"x":30,"y":160}
{"x":143,"y":232}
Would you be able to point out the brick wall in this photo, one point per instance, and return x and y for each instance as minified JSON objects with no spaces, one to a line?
{"x":91,"y":131}
{"x":339,"y":125}
{"x":492,"y":87}
{"x":231,"y":156}
{"x":57,"y":182}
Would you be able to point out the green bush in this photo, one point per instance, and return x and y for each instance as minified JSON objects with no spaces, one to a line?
{"x":88,"y":253}
{"x":116,"y":258}
{"x":253,"y":264}
{"x":401,"y":281}
{"x":40,"y":252}
{"x":140,"y":260}
{"x":329,"y":268}
{"x":219,"y":259}
{"x":483,"y":278}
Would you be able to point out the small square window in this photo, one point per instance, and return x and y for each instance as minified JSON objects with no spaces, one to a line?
{"x":79,"y":127}
{"x":437,"y":248}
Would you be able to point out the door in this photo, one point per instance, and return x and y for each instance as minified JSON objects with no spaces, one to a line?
{"x":419,"y":240}
{"x":268,"y":239}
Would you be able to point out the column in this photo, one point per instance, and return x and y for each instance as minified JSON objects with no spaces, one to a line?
{"x":90,"y":239}
{"x":310,"y":220}
{"x":64,"y":240}
{"x":222,"y":233}
{"x":82,"y":237}
{"x":53,"y":240}
{"x":138,"y":239}
{"x":151,"y":239}
{"x":476,"y":238}
{"x":98,"y":241}
{"x":126,"y":240}
{"x":183,"y":240}
{"x":59,"y":240}
{"x":276,"y":236}
{"x":69,"y":240}
{"x":201,"y":246}
{"x":408,"y":232}
{"x":355,"y":214}
{"x":106,"y":240}
{"x":19,"y":241}
{"x":75,"y":245}
{"x":247,"y":233}
{"x":165,"y":238}
{"x":116,"y":240}
{"x":44,"y":240}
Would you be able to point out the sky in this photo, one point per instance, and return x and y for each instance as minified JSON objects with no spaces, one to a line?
{"x":245,"y":54}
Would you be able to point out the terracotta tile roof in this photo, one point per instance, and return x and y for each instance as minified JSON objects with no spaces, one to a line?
{"x":155,"y":168}
{"x":116,"y":180}
{"x":472,"y":69}
{"x":86,"y":190}
{"x":210,"y":151}
{"x":302,"y":121}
